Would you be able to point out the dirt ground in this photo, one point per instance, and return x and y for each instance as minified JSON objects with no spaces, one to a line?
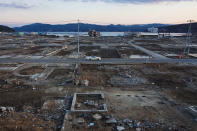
{"x":155,"y":93}
{"x":32,"y":70}
{"x":179,"y":81}
{"x":129,"y":51}
{"x":26,"y":122}
{"x":167,"y":46}
{"x":163,"y":98}
{"x":105,"y":53}
{"x":26,"y":100}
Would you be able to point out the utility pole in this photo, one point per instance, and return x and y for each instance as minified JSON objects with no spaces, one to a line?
{"x":78,"y":51}
{"x":78,"y":39}
{"x":188,"y":39}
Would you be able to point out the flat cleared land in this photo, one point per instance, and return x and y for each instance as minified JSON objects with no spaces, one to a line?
{"x":149,"y":97}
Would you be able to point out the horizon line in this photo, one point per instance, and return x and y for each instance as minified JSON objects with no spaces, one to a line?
{"x":15,"y":25}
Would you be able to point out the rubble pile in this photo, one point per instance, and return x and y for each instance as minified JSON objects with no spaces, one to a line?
{"x":88,"y":102}
{"x":25,"y":121}
{"x":105,"y":121}
{"x":6,"y":110}
{"x":128,"y":78}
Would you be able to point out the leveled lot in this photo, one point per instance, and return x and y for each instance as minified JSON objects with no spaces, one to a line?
{"x":167,"y":47}
{"x":146,"y":97}
{"x":28,"y":102}
{"x":156,"y":93}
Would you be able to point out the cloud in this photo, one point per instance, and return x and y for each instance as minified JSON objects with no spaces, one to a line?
{"x":128,"y":1}
{"x":15,"y":5}
{"x":22,"y":4}
{"x":145,"y":1}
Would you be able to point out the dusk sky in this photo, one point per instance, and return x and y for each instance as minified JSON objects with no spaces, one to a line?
{"x":21,"y":12}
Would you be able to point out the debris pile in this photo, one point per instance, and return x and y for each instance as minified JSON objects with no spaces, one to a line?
{"x":104,"y":121}
{"x":88,"y":102}
{"x":127,"y":79}
{"x":55,"y":109}
{"x":4,"y":110}
{"x":25,"y":121}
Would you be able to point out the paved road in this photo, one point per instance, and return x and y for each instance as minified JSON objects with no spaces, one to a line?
{"x":57,"y":61}
{"x":149,"y":52}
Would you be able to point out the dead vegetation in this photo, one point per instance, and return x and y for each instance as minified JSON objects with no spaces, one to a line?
{"x":32,"y":70}
{"x":105,"y":53}
{"x":95,"y":76}
{"x":179,"y":81}
{"x":60,"y":73}
{"x":25,"y":122}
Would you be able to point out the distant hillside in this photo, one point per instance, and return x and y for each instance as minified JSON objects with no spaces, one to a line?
{"x":38,"y":27}
{"x":6,"y":29}
{"x":181,"y":28}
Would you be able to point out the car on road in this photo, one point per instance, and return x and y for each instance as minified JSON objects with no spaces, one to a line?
{"x":93,"y":58}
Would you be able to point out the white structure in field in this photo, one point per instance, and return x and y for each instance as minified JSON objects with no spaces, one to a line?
{"x":153,"y":30}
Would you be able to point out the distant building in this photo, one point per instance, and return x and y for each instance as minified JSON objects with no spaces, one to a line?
{"x":93,"y":33}
{"x":153,"y":30}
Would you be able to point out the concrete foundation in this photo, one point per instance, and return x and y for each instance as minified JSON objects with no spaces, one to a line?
{"x":88,"y":102}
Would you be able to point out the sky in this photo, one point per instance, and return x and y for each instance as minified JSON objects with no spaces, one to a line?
{"x":15,"y":13}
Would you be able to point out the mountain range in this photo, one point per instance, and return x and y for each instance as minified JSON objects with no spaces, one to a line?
{"x":72,"y":27}
{"x":39,"y":27}
{"x":180,"y":28}
{"x":6,"y":29}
